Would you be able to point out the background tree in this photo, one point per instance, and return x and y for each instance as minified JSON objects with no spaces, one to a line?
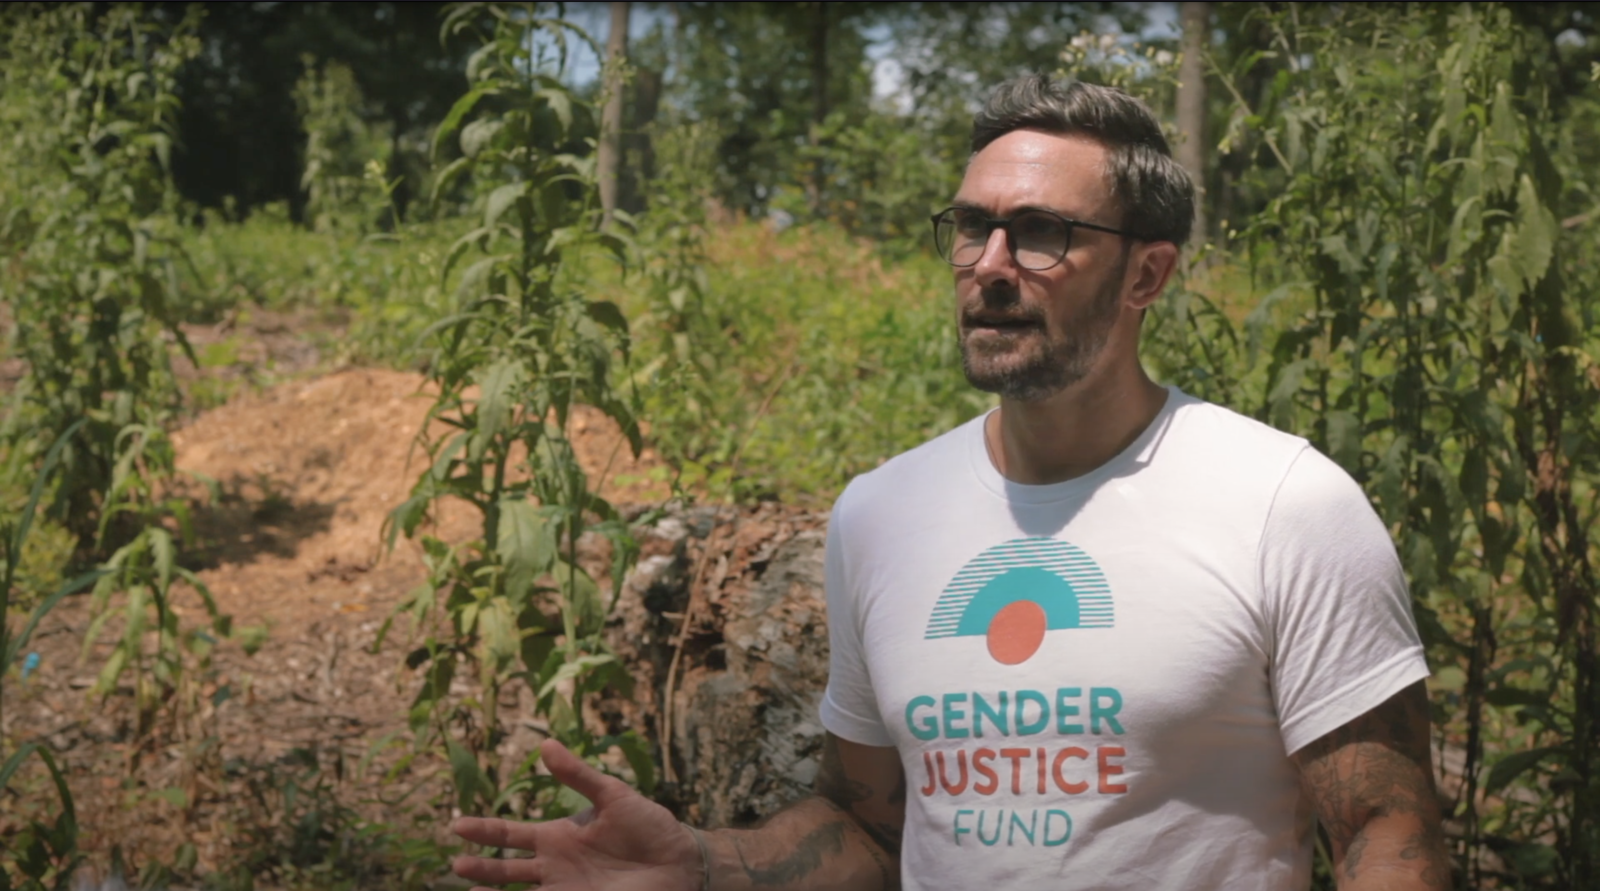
{"x":1191,"y":149}
{"x":608,"y":157}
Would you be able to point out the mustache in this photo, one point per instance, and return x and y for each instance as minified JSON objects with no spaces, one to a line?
{"x":1000,"y":306}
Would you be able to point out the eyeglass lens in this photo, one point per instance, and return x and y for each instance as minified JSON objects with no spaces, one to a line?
{"x":1039,"y":240}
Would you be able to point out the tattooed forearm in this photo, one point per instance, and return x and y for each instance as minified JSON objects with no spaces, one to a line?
{"x":1372,"y":784}
{"x":844,"y":837}
{"x":806,"y":858}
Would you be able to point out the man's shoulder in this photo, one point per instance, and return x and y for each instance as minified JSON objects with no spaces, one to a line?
{"x":1231,"y":445}
{"x":1223,"y":424}
{"x":1286,"y":473}
{"x":942,"y":460}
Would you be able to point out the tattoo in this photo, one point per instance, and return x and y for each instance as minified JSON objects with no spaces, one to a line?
{"x":845,"y":796}
{"x":1378,"y":767}
{"x":889,"y":834}
{"x":1352,"y":854}
{"x":889,"y":873}
{"x":804,"y":860}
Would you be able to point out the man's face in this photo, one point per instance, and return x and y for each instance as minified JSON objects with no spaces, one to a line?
{"x":1028,"y":334}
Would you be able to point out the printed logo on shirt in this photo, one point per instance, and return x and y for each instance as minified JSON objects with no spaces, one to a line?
{"x":1003,"y":768}
{"x":1014,"y":592}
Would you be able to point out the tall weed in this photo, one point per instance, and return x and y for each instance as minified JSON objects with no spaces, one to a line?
{"x":521,"y":345}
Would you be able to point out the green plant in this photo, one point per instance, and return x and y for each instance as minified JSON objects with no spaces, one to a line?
{"x":90,"y":222}
{"x":92,"y":225}
{"x":339,"y":147}
{"x":813,"y":360}
{"x":41,"y":851}
{"x":1430,"y":332}
{"x":522,"y":345}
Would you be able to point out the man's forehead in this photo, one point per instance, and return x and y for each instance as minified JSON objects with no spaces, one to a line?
{"x":1029,"y":167}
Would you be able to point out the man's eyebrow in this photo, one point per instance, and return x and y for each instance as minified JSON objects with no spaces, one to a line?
{"x":1023,"y":208}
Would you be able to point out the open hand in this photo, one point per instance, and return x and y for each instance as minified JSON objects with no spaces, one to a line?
{"x":625,"y":842}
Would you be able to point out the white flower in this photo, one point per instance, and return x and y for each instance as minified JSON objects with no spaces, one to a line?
{"x":1082,"y":41}
{"x":1107,"y":41}
{"x":1164,"y":58}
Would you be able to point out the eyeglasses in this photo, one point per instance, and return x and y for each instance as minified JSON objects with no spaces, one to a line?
{"x":1038,"y":239}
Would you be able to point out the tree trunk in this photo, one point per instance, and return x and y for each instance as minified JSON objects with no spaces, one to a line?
{"x":1192,"y":106}
{"x":639,"y":165}
{"x":819,"y":103}
{"x":609,"y":162}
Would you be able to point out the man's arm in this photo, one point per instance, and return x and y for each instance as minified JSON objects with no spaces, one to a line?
{"x":1371,"y":782}
{"x":846,"y":836}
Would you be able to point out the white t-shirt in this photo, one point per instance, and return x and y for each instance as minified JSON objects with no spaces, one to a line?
{"x":1097,"y":683}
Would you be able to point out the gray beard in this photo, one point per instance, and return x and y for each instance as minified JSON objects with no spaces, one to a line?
{"x":1061,"y":364}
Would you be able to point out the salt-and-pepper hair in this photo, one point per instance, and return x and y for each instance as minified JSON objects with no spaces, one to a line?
{"x":1153,"y":192}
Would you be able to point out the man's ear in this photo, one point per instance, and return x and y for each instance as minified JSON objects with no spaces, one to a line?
{"x":1150,"y":266}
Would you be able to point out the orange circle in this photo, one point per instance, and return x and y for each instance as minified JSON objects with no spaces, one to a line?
{"x":1016,"y":631}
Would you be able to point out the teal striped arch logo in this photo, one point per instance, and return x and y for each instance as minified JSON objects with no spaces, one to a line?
{"x":1016,"y":591}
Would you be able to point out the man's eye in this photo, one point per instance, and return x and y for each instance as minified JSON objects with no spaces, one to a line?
{"x":972,"y":225}
{"x":1034,"y":226}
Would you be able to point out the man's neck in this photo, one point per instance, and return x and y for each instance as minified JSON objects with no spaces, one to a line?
{"x":1074,"y":431}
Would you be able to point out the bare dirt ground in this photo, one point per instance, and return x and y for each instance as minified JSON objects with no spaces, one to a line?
{"x":267,"y":763}
{"x":303,"y":475}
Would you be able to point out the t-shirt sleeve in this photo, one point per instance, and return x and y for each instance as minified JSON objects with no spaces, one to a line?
{"x":1345,"y":639}
{"x":849,"y":707}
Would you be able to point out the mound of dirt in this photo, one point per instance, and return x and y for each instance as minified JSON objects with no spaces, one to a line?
{"x":308,"y":471}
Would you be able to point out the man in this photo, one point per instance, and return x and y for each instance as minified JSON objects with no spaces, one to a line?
{"x":1107,"y":636}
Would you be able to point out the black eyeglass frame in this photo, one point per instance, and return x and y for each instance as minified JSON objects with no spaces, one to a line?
{"x":992,"y":223}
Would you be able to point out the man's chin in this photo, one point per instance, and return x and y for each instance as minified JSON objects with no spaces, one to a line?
{"x":1017,"y":383}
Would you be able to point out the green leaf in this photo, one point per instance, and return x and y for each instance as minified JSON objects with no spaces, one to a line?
{"x":460,"y":246}
{"x":1514,"y":765}
{"x":497,"y":626}
{"x":500,"y":199}
{"x":20,"y":642}
{"x":560,"y":102}
{"x":574,"y":669}
{"x":1534,"y":860}
{"x":476,"y":277}
{"x":536,"y":651}
{"x":1344,"y":440}
{"x":111,"y":671}
{"x":608,"y":314}
{"x":446,"y":178}
{"x":162,"y":552}
{"x":477,"y":136}
{"x":1533,"y":241}
{"x":68,"y":817}
{"x":498,"y":390}
{"x":25,"y":521}
{"x":1514,"y":697}
{"x":1450,"y":679}
{"x":452,"y":120}
{"x":637,"y":752}
{"x":471,"y":783}
{"x":14,"y":762}
{"x":582,"y":597}
{"x":526,"y":544}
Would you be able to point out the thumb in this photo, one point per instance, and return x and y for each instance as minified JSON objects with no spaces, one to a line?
{"x":574,"y":773}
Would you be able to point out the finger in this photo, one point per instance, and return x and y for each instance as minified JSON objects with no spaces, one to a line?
{"x":497,"y":872}
{"x":580,"y":777}
{"x":496,"y":833}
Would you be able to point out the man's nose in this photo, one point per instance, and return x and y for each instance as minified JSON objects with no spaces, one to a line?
{"x":996,"y":264}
